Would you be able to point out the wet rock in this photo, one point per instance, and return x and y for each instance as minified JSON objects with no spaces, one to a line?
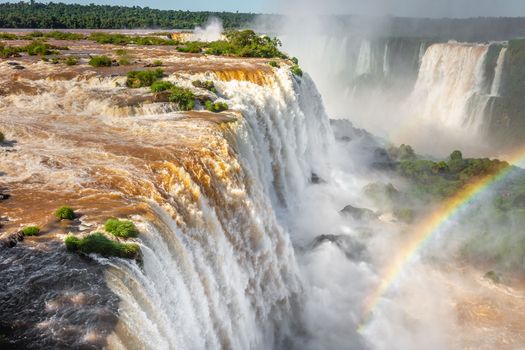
{"x":359,"y":213}
{"x":4,"y":196}
{"x":13,"y":63}
{"x":12,"y":240}
{"x":19,"y":67}
{"x":352,"y":249}
{"x":493,"y":276}
{"x":315,"y":179}
{"x":162,"y":96}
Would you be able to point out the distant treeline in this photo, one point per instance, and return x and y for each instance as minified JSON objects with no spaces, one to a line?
{"x":66,"y":16}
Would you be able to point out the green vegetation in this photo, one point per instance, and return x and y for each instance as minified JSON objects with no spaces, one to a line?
{"x":403,"y":152}
{"x":138,"y":79}
{"x":98,"y":243}
{"x":65,"y":213}
{"x":443,"y":178}
{"x":8,"y":51}
{"x":297,"y":70}
{"x":206,"y":85}
{"x":122,"y":39}
{"x":295,"y":60}
{"x":246,"y":43}
{"x":184,"y":98}
{"x":161,"y":85}
{"x":274,"y":64}
{"x":121,"y":228}
{"x":100,"y":61}
{"x":53,"y":35}
{"x":124,"y":61}
{"x":60,"y":15}
{"x":8,"y":36}
{"x":157,"y":63}
{"x":215,"y":107}
{"x":192,"y":47}
{"x":34,"y":48}
{"x":71,"y":61}
{"x":31,"y":231}
{"x":121,"y":52}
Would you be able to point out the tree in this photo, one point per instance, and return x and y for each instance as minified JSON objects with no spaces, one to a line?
{"x":456,"y":155}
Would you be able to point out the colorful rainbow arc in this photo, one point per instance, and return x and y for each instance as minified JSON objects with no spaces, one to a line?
{"x":428,"y":227}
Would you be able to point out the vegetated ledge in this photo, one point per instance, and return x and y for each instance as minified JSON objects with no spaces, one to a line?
{"x":98,"y":243}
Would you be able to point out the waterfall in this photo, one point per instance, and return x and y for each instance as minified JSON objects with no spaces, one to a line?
{"x":364,"y":59}
{"x":229,"y":281}
{"x":498,"y":76}
{"x":450,"y":86}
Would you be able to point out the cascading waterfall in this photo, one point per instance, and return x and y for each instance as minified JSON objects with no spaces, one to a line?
{"x":230,"y":281}
{"x":210,"y":195}
{"x":498,"y":76}
{"x":450,"y":77}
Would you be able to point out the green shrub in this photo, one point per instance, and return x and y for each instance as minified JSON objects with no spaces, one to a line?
{"x":206,"y":85}
{"x":8,"y":36}
{"x":97,"y":243}
{"x":456,"y":155}
{"x":184,"y":98}
{"x":123,"y":229}
{"x":100,"y":61}
{"x":55,"y":60}
{"x":9,"y":51}
{"x":65,"y":213}
{"x":161,"y":85}
{"x":121,"y":39}
{"x":295,"y":61}
{"x":215,"y":107}
{"x":297,"y":70}
{"x":31,"y":231}
{"x":246,"y":43}
{"x":124,"y":61}
{"x":39,"y":48}
{"x":274,"y":64}
{"x":192,"y":47}
{"x":121,"y":52}
{"x":71,"y":61}
{"x":157,"y":63}
{"x":62,"y":35}
{"x":138,"y":79}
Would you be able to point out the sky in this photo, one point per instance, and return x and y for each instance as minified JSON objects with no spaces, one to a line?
{"x":413,"y":8}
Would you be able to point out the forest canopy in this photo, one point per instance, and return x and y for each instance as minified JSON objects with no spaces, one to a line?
{"x":62,"y":16}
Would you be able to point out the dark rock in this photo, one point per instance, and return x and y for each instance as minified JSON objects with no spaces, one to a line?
{"x":352,"y":249}
{"x":4,"y":196}
{"x":315,"y":179}
{"x":493,"y":276}
{"x":19,"y":67}
{"x":12,"y":240}
{"x":12,"y":63}
{"x":162,"y":96}
{"x":359,"y":213}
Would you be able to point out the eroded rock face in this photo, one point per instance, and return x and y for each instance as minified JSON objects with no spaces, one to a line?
{"x":359,"y":213}
{"x":50,"y":299}
{"x":352,"y":249}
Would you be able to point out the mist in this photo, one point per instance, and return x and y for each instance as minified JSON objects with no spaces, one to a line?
{"x":434,"y":94}
{"x":404,"y":8}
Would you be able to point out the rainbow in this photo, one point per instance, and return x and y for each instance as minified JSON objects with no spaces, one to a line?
{"x":429,"y":226}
